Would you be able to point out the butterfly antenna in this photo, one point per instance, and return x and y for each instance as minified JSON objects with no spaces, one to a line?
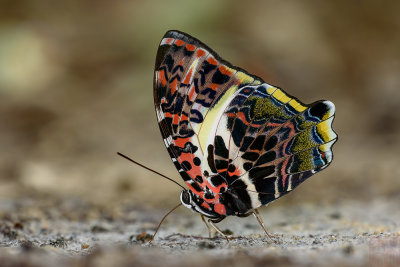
{"x":147,"y":168}
{"x":165,"y":216}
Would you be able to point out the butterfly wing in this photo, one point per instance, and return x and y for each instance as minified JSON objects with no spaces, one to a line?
{"x":268,"y":142}
{"x":227,"y":130}
{"x":191,"y":85}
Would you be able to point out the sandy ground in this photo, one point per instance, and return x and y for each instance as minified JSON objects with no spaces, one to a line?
{"x":65,"y":232}
{"x":76,"y":87}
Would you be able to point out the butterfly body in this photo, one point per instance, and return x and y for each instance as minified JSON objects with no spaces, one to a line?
{"x":238,"y":142}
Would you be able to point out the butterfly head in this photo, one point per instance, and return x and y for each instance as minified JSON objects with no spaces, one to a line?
{"x":193,"y":202}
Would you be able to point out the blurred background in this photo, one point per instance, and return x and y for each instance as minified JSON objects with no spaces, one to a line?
{"x":76,"y":87}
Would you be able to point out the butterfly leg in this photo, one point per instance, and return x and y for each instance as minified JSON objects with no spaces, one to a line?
{"x":211,"y":222}
{"x":260,"y":221}
{"x":210,"y":230}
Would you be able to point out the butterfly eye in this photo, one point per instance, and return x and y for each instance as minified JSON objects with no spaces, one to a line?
{"x":185,"y":197}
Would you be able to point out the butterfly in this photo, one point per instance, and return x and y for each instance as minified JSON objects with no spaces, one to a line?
{"x":238,"y":142}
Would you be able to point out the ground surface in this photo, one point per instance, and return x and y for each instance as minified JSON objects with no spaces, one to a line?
{"x":76,"y":83}
{"x":69,"y":231}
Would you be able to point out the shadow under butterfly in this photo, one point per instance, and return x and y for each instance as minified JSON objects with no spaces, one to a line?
{"x":238,"y":142}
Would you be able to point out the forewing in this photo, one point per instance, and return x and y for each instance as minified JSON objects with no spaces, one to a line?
{"x":192,"y":86}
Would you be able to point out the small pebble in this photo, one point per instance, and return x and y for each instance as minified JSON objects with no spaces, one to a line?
{"x":60,"y":242}
{"x":7,"y":232}
{"x":227,"y":232}
{"x":315,"y":242}
{"x":27,"y":245}
{"x":18,"y":225}
{"x":348,"y":249}
{"x":98,"y":229}
{"x":144,"y":237}
{"x":206,"y":245}
{"x":335,"y":215}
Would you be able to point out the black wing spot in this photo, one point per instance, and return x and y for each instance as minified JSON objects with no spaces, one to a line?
{"x":220,"y":78}
{"x":271,"y":143}
{"x":261,"y":172}
{"x":247,"y":166}
{"x":247,"y":140}
{"x":169,"y":61}
{"x":196,"y":161}
{"x":186,"y":177}
{"x":197,"y":116}
{"x":196,"y":187}
{"x":176,"y":48}
{"x":210,"y":158}
{"x":318,"y":110}
{"x":252,"y":156}
{"x":217,"y":180}
{"x":207,"y":67}
{"x":186,"y":165}
{"x":267,"y":157}
{"x":178,"y":68}
{"x":266,"y":187}
{"x":221,"y":164}
{"x":188,"y":53}
{"x":258,"y":143}
{"x":231,"y":168}
{"x":199,"y":179}
{"x":239,"y":129}
{"x":220,"y":147}
{"x":208,"y":194}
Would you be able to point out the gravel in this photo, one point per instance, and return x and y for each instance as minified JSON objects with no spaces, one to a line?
{"x":36,"y":232}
